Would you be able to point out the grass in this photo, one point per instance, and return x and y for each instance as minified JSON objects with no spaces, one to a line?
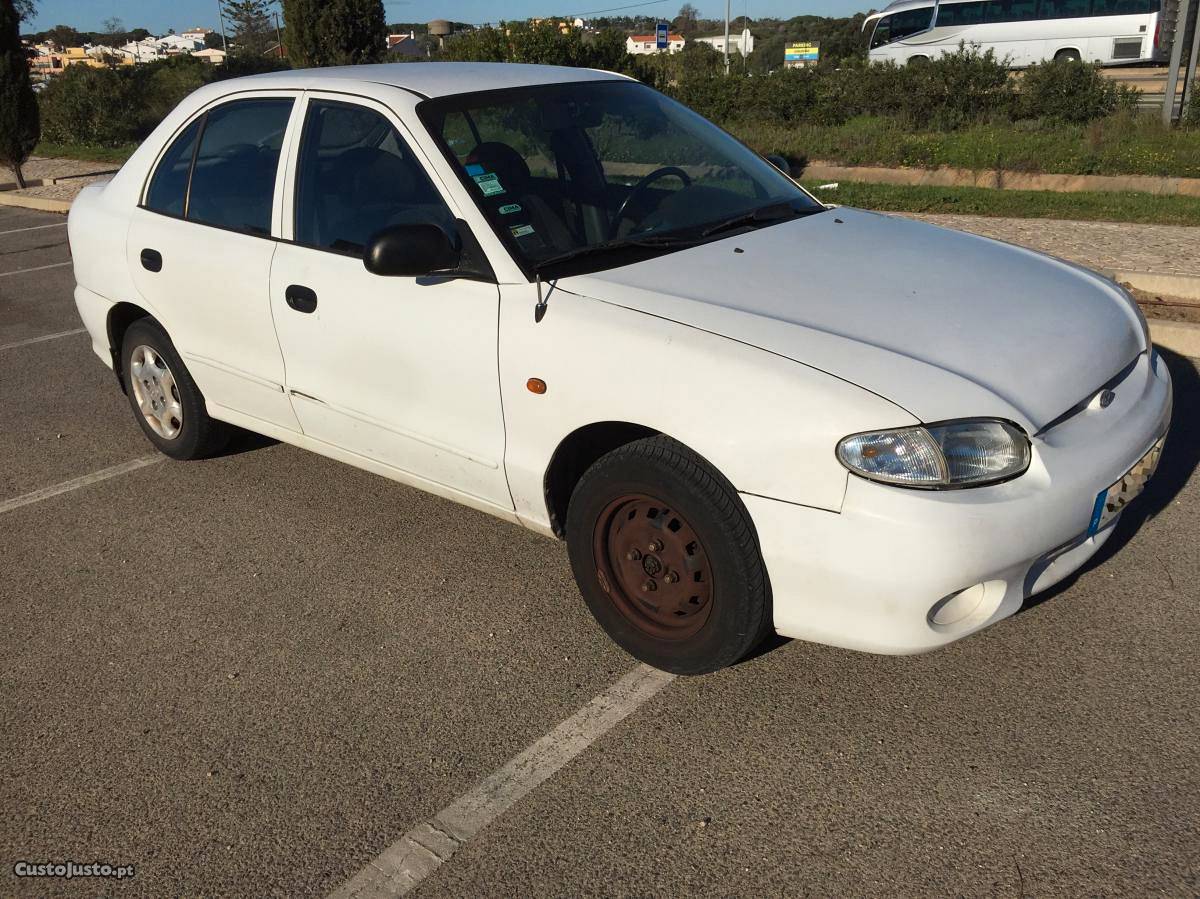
{"x":1139,"y":208}
{"x":1119,"y":145}
{"x":88,"y":152}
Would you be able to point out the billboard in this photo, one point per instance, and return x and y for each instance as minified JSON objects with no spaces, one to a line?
{"x":662,"y":36}
{"x":798,"y":56}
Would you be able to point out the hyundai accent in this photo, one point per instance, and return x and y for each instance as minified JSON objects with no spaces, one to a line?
{"x":559,"y":297}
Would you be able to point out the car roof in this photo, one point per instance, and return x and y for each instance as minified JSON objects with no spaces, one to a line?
{"x":429,"y":79}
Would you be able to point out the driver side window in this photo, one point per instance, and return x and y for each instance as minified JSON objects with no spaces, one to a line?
{"x":357,"y":176}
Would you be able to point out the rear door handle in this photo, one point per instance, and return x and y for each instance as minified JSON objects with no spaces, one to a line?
{"x":301,"y":298}
{"x":151,"y":260}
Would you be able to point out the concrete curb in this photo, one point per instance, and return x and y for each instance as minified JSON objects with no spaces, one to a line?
{"x":1184,"y":286}
{"x":42,"y":204}
{"x":1178,"y":337}
{"x":996,"y":179}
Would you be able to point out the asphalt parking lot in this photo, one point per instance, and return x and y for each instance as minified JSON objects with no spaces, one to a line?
{"x":251,"y":675}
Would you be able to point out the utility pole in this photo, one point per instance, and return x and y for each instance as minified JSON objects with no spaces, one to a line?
{"x":726,"y":37}
{"x":278,"y":35}
{"x":1186,"y":16}
{"x":221,"y":20}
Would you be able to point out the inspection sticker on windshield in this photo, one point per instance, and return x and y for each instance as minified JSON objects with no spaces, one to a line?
{"x":488,"y":183}
{"x":521,"y":230}
{"x":1110,"y":502}
{"x":510,"y":208}
{"x":474,"y":168}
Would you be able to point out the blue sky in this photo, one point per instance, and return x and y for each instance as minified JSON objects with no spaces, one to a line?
{"x":160,"y":15}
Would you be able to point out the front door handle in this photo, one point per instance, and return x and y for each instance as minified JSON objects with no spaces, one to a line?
{"x":301,"y":298}
{"x":151,"y":260}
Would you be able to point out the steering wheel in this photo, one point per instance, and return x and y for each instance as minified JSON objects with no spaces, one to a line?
{"x":645,"y":182}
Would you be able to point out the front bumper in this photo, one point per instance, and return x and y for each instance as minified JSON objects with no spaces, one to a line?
{"x":905,"y":571}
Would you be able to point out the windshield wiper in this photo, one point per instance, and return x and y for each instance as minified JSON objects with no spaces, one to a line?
{"x":776,"y":212}
{"x":610,"y":245}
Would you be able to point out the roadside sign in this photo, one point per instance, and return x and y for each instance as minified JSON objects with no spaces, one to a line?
{"x":662,"y":39}
{"x":798,"y":56}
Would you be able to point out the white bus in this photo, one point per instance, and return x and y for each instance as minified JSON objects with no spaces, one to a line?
{"x":1110,"y":32}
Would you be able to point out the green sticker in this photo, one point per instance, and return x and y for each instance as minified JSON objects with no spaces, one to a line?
{"x":510,"y":208}
{"x":521,"y":230}
{"x":489,"y":184}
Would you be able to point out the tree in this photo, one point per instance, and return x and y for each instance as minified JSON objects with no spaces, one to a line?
{"x":64,"y":36}
{"x":335,"y":32}
{"x":20,"y":127}
{"x":253,"y":31}
{"x":687,"y":20}
{"x":113,"y":27}
{"x":213,"y":41}
{"x":25,"y":9}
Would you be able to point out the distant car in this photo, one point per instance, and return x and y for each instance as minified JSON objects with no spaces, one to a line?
{"x":560,"y":297}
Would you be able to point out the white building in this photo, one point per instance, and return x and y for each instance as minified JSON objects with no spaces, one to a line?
{"x":742,"y":43}
{"x":173,"y":44}
{"x":648,"y":43}
{"x":195,"y":34}
{"x":147,"y":50}
{"x":212,"y":56}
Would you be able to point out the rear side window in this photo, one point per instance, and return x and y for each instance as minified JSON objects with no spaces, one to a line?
{"x":233,"y":178}
{"x":168,"y":189}
{"x":357,"y":176}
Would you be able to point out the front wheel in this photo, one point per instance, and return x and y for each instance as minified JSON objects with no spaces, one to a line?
{"x":1066,"y":56}
{"x":665,"y":555}
{"x":166,"y":401}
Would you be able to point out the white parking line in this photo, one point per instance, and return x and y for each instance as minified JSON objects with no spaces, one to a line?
{"x":36,"y":268}
{"x":29,"y":340}
{"x":33,"y":228}
{"x":75,"y":483}
{"x":421,"y":851}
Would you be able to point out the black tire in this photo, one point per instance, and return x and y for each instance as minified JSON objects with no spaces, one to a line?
{"x":608,"y":517}
{"x":198,"y":435}
{"x":1068,"y":55}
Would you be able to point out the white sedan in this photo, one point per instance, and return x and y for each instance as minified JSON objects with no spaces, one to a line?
{"x":560,"y":297}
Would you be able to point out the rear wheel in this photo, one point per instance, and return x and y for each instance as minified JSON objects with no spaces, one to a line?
{"x":1069,"y":55}
{"x":666,"y":558}
{"x":166,"y":401}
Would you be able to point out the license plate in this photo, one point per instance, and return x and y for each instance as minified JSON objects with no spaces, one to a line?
{"x":1111,"y":501}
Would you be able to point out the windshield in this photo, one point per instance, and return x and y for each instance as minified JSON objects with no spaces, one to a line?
{"x":578,"y":170}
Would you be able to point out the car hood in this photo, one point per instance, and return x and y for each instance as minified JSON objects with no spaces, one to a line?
{"x":942,"y":323}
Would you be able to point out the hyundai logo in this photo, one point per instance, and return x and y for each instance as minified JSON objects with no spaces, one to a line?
{"x":1106,"y":398}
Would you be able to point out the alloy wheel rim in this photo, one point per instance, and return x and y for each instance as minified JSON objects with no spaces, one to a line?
{"x":653,"y":566}
{"x":156,"y":393}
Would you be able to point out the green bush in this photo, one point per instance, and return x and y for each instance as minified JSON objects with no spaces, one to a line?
{"x":91,"y":106}
{"x":1072,"y":91}
{"x":115,"y":106}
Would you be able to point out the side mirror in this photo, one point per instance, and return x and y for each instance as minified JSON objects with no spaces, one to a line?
{"x":780,"y":163}
{"x":412,"y":251}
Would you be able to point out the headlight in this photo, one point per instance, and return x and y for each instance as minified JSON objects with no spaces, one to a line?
{"x":952,"y":454}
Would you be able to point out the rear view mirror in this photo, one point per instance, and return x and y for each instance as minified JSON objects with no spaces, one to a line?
{"x":411,"y":251}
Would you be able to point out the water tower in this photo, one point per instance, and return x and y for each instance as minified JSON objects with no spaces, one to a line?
{"x":439,"y":28}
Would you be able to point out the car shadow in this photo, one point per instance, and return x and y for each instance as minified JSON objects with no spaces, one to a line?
{"x":1181,"y":456}
{"x":244,"y":441}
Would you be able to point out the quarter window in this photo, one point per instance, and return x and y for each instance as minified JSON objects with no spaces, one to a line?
{"x":356,"y":177}
{"x":168,"y":188}
{"x":233,"y":178}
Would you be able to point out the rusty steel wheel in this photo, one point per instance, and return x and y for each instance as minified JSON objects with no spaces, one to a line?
{"x":666,"y":558}
{"x":653,"y":566}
